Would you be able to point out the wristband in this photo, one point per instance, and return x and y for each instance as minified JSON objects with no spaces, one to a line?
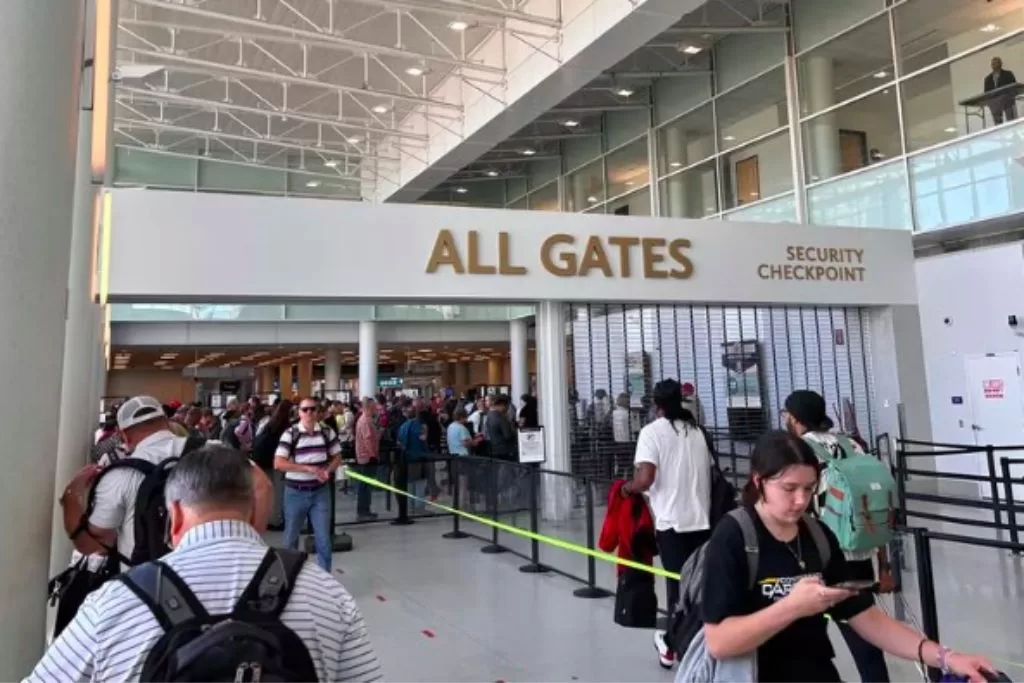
{"x":944,"y":653}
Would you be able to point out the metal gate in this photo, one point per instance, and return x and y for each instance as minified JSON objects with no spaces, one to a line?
{"x":741,"y":361}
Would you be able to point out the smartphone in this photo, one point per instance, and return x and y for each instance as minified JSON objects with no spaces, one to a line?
{"x":859,"y":585}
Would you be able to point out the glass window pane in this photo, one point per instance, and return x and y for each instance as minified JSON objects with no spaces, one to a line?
{"x":940,"y":104}
{"x":978,"y":178}
{"x":636,"y":204}
{"x":515,"y":188}
{"x":686,"y":140}
{"x":151,"y":168}
{"x":744,"y":55}
{"x":874,"y":198}
{"x":858,"y":134}
{"x":217,"y":175}
{"x":578,"y":151}
{"x":681,"y":92}
{"x":521,"y":204}
{"x":816,"y":20}
{"x":585,"y":187}
{"x":692,"y":193}
{"x":540,"y":172}
{"x":779,"y":210}
{"x":752,"y":110}
{"x":756,"y":172}
{"x":628,"y":168}
{"x":928,"y":31}
{"x":845,"y":67}
{"x":545,"y":199}
{"x":623,"y":126}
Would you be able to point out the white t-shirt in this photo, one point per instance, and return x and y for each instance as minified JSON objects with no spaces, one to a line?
{"x":680,"y":497}
{"x":116,"y":491}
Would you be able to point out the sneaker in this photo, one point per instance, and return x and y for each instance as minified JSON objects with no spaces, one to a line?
{"x":666,"y":656}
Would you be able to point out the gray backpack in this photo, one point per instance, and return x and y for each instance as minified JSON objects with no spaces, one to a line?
{"x":686,"y":632}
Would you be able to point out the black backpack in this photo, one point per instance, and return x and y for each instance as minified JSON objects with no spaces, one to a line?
{"x":150,"y":506}
{"x":264,"y":448}
{"x":248,"y":644}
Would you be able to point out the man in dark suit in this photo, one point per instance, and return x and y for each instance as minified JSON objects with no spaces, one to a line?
{"x":1003,"y":107}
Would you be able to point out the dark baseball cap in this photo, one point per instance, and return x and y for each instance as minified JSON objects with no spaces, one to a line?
{"x":809,"y":409}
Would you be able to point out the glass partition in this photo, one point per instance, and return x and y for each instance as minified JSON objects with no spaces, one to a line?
{"x":777,"y":210}
{"x":757,"y":171}
{"x":309,"y":312}
{"x":585,"y":187}
{"x":977,"y":178}
{"x":636,"y":204}
{"x":858,"y":134}
{"x":628,"y":168}
{"x":545,"y":198}
{"x":872,"y":198}
{"x":687,"y":140}
{"x":752,"y":110}
{"x":691,"y":193}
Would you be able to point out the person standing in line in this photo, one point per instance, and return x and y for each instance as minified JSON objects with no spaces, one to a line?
{"x":460,"y":443}
{"x":367,"y":439}
{"x":673,"y":467}
{"x":309,"y":455}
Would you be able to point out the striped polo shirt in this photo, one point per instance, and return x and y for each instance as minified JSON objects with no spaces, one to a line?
{"x":114,"y":631}
{"x":315,"y":447}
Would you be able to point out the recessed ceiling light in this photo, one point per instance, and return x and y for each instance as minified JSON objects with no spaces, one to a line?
{"x":353,"y":140}
{"x":331,"y":163}
{"x":729,"y":138}
{"x":989,"y":28}
{"x":570,"y":123}
{"x":313,"y":183}
{"x":528,"y":152}
{"x":492,"y":173}
{"x":882,"y":74}
{"x":592,"y":199}
{"x":458,"y":25}
{"x":461,"y":190}
{"x":691,"y":49}
{"x":380,"y":109}
{"x":416,"y":71}
{"x":630,"y":183}
{"x":951,"y":129}
{"x":675,"y":164}
{"x":624,"y":92}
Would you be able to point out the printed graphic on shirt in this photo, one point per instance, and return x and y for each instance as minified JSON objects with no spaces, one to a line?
{"x":776,"y":588}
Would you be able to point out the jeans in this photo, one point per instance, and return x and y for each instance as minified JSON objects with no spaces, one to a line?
{"x":364,"y":491}
{"x":316,"y":503}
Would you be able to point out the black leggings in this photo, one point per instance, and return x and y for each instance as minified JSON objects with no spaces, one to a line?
{"x":675,"y":549}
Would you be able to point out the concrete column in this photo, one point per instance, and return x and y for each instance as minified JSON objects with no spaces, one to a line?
{"x":265,"y":380}
{"x":520,"y":379}
{"x":284,"y":375}
{"x":823,"y":136}
{"x":367,"y":358}
{"x":675,"y":187}
{"x":305,"y":377}
{"x":98,"y":379}
{"x":41,"y":45}
{"x":553,"y":401}
{"x":332,"y":370}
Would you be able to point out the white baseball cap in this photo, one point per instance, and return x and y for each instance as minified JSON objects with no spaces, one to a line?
{"x":137,"y":410}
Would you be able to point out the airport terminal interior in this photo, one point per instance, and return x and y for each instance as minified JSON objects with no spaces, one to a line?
{"x":441,"y":203}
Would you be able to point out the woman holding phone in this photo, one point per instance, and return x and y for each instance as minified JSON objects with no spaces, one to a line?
{"x":783,"y":617}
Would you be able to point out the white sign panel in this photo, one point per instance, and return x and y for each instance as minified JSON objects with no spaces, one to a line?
{"x":177,"y":247}
{"x":531,"y":444}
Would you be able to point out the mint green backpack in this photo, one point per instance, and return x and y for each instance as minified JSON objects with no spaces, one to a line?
{"x":859,"y":500}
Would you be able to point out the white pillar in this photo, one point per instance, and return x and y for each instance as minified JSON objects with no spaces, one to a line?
{"x":332,"y":370}
{"x":819,"y":86}
{"x":367,"y":358}
{"x":675,"y":186}
{"x":517,"y":360}
{"x":41,"y":45}
{"x":552,"y":385}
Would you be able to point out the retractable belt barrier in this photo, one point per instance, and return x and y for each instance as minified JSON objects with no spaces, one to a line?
{"x":349,"y":473}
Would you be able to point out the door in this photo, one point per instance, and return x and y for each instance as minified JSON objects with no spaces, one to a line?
{"x":748,"y":181}
{"x":853,"y":149}
{"x":997,"y":412}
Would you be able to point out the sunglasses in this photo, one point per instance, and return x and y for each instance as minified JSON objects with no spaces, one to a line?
{"x":307,"y":409}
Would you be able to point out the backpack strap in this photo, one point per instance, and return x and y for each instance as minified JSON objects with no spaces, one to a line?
{"x":821,"y":543}
{"x":164,"y":593}
{"x":271,"y":586}
{"x":750,"y":543}
{"x":143,"y":467}
{"x":293,"y":441}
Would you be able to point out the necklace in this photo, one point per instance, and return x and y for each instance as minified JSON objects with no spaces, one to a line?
{"x":797,"y":554}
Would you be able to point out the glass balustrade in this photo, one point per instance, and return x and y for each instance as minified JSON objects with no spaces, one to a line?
{"x":311,"y":312}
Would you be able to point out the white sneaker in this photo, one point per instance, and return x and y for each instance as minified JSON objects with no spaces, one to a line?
{"x":666,"y":656}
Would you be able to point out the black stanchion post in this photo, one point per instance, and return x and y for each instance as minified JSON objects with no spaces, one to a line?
{"x":901,"y":481}
{"x":402,"y":484}
{"x":340,"y":542}
{"x":535,"y":567}
{"x":926,"y":591}
{"x":454,"y":472}
{"x":492,"y":478}
{"x":993,"y":483}
{"x":1011,"y":514}
{"x":590,"y":590}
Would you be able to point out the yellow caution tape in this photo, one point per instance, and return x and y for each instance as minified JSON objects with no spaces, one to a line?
{"x":516,"y":531}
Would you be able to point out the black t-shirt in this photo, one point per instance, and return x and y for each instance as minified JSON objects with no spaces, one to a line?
{"x":801,"y":651}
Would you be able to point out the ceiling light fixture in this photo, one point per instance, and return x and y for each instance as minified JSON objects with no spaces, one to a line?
{"x":458,"y":25}
{"x":989,"y":28}
{"x":416,"y":71}
{"x":570,"y":123}
{"x":882,"y":74}
{"x":592,"y":199}
{"x":624,"y":92}
{"x":354,"y":140}
{"x":676,"y":164}
{"x":380,"y":109}
{"x":951,"y":129}
{"x":729,"y":138}
{"x":461,"y":190}
{"x":331,"y":163}
{"x":492,"y":173}
{"x":313,"y":183}
{"x":691,"y":49}
{"x":528,"y":152}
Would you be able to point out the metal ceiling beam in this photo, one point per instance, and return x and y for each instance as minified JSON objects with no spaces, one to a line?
{"x":198,"y":102}
{"x":313,"y":38}
{"x":464,"y":10}
{"x":526,"y":137}
{"x":515,"y":160}
{"x":595,"y":109}
{"x":221,"y":68}
{"x":270,"y":142}
{"x":724,"y":30}
{"x":650,"y":75}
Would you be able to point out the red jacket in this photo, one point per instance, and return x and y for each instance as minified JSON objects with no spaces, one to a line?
{"x":629,"y":527}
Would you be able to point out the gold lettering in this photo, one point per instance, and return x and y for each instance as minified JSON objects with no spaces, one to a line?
{"x":568,"y":259}
{"x":594,"y":257}
{"x":675,"y":250}
{"x":475,"y":267}
{"x":652,"y":258}
{"x":445,"y":253}
{"x":505,"y":266}
{"x":625,"y":256}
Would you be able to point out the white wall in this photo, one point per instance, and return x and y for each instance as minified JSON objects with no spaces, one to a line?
{"x":976,"y":290}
